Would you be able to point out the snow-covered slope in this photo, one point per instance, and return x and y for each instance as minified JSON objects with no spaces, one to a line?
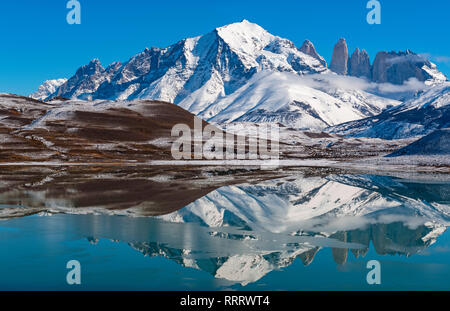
{"x":294,"y":101}
{"x":47,"y":88}
{"x":427,"y":112}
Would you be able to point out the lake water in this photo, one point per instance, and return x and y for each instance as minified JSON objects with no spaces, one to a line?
{"x":296,"y":232}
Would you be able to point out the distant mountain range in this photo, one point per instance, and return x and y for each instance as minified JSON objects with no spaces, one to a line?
{"x":388,"y":67}
{"x":426,"y":112}
{"x":241,"y":72}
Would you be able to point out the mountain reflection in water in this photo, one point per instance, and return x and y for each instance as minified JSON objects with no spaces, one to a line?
{"x":241,"y":232}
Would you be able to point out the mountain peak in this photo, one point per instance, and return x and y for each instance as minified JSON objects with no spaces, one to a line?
{"x":92,"y":67}
{"x":397,"y":67}
{"x":245,"y":38}
{"x":243,"y":27}
{"x":243,"y":22}
{"x":309,"y":49}
{"x":95,"y":61}
{"x":339,"y":60}
{"x":359,"y":64}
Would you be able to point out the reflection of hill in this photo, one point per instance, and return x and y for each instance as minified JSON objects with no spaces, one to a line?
{"x":145,"y":191}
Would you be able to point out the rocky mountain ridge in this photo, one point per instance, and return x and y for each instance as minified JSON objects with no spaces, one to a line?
{"x":388,"y":67}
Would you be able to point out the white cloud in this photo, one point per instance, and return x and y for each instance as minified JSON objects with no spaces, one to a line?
{"x":441,"y":59}
{"x":351,"y":83}
{"x":410,"y":58}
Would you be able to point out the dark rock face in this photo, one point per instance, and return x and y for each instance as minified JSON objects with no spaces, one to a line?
{"x":388,"y":67}
{"x":398,"y":67}
{"x":436,"y":143}
{"x":339,"y":61}
{"x":309,"y":49}
{"x":359,"y":65}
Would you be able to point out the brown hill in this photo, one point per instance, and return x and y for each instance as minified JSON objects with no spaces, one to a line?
{"x":87,"y":131}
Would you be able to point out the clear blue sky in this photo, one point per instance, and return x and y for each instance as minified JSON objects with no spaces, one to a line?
{"x":37,"y":44}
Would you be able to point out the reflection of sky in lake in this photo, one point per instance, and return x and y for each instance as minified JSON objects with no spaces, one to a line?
{"x":286,"y":234}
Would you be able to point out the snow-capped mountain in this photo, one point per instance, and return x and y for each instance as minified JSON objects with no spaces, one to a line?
{"x":195,"y":71}
{"x":427,"y":112}
{"x":47,"y":88}
{"x":236,"y":72}
{"x":241,"y":72}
